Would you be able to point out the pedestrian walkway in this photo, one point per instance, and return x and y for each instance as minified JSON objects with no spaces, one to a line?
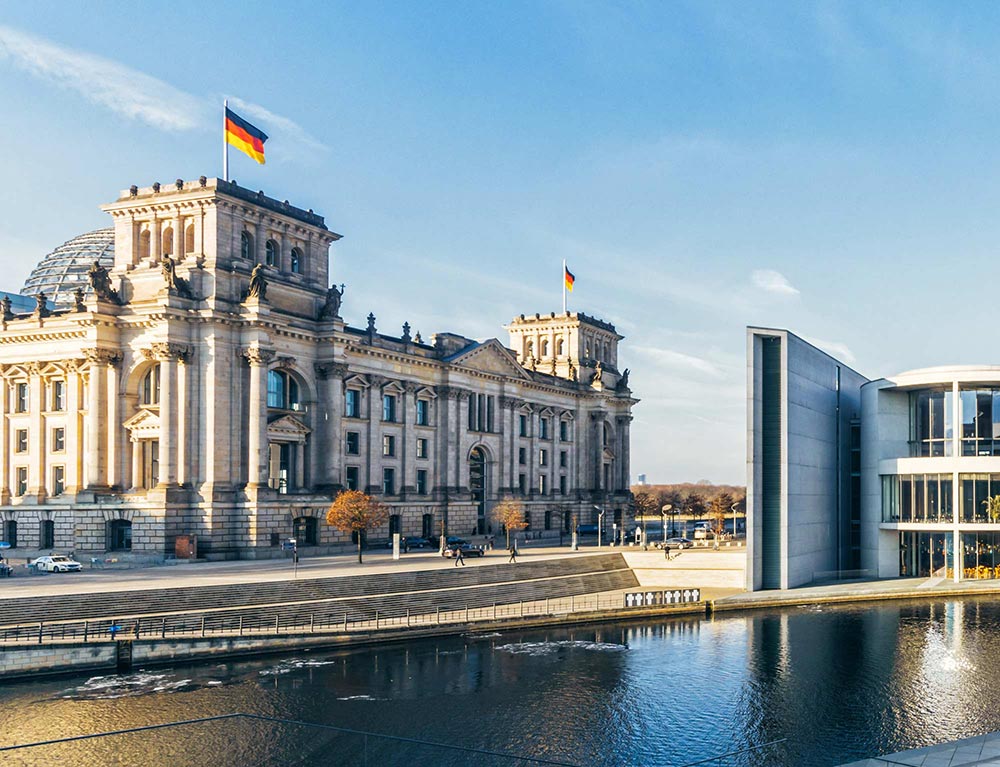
{"x":981,"y":751}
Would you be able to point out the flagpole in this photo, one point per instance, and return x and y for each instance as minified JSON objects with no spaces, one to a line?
{"x":225,"y":144}
{"x":564,"y":285}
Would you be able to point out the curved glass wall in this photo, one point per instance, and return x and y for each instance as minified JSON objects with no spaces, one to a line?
{"x":917,"y":498}
{"x":980,"y":555}
{"x":931,"y":429}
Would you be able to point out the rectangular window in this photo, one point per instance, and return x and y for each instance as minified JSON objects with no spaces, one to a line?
{"x":22,"y":480}
{"x":490,"y":408}
{"x":58,"y":480}
{"x":522,"y":455}
{"x":352,"y":445}
{"x":58,"y":395}
{"x":563,"y":459}
{"x":543,"y":457}
{"x":352,"y":403}
{"x":421,"y":448}
{"x":10,"y":533}
{"x":423,"y":410}
{"x":522,"y":423}
{"x":351,"y":478}
{"x":58,"y":440}
{"x":543,"y":484}
{"x":562,"y":485}
{"x":422,"y":481}
{"x":522,"y":483}
{"x":564,"y":431}
{"x":389,"y":408}
{"x":543,"y":425}
{"x":21,"y":441}
{"x":21,"y":398}
{"x":388,"y":445}
{"x":389,"y":481}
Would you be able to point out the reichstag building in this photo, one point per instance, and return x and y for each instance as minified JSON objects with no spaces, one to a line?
{"x":187,"y":372}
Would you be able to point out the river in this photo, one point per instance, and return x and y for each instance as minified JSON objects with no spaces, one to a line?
{"x":836,"y":683}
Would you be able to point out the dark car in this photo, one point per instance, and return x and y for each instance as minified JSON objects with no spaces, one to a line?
{"x":467,"y":549}
{"x":586,"y":529}
{"x":418,"y":543}
{"x":676,"y":543}
{"x":451,"y":540}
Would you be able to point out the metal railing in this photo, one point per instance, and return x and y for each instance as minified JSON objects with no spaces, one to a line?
{"x":230,"y":623}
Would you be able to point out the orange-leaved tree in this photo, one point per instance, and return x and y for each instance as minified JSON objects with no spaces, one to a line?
{"x":510,"y":514}
{"x":354,"y":512}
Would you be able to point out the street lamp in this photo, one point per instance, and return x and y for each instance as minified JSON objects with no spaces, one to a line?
{"x":663,"y":519}
{"x":600,"y":524}
{"x":733,"y":509}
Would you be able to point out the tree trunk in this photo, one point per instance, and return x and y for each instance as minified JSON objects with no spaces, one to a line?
{"x":359,"y":548}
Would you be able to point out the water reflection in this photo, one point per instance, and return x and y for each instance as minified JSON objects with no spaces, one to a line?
{"x":838,"y":683}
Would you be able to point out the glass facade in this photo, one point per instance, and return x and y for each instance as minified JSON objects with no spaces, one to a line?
{"x":931,"y":429}
{"x":926,"y":555}
{"x":917,"y":498}
{"x":976,"y":491}
{"x":980,"y":555}
{"x":980,"y":421}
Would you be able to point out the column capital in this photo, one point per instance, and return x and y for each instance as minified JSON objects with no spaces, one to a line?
{"x":330,"y":369}
{"x":510,"y":403}
{"x":102,"y":356}
{"x":162,"y":350}
{"x":257,"y":356}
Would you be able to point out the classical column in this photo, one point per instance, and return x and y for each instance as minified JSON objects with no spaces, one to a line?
{"x":508,"y":446}
{"x":533,"y":467}
{"x":97,"y":432}
{"x":74,"y":451}
{"x":36,"y":431}
{"x":408,"y":480}
{"x":178,"y":225}
{"x":183,"y":420}
{"x":168,"y":419}
{"x":5,"y":445}
{"x":258,"y":243}
{"x":374,"y":473}
{"x":257,"y":427}
{"x":155,"y":239}
{"x":300,"y":465}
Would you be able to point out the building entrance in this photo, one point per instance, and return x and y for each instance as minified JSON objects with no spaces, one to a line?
{"x":926,"y":555}
{"x":477,"y":483}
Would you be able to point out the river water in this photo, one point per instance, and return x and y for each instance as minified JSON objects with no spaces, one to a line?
{"x":837,"y":683}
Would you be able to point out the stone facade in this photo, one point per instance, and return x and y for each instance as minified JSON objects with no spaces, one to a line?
{"x":209,"y":386}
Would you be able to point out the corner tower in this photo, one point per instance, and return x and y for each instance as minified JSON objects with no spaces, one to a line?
{"x":569,"y":345}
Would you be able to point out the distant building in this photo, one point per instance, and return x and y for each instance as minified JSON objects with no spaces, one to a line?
{"x":195,"y":377}
{"x":642,"y":480}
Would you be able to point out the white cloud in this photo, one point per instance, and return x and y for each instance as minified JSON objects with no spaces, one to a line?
{"x":834,"y":348}
{"x":678,"y":361}
{"x":285,"y":128}
{"x":121,"y":89}
{"x":773,"y":282}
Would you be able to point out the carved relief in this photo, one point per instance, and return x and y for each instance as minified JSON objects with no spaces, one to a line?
{"x":102,"y":356}
{"x":256,"y":355}
{"x":162,"y":350}
{"x":327,"y":370}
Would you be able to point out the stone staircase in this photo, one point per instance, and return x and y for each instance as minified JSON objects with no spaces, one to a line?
{"x":327,"y":600}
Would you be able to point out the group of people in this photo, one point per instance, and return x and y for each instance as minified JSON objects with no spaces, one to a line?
{"x":460,"y":557}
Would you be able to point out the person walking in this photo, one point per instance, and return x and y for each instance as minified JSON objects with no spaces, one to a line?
{"x":459,"y":557}
{"x":513,"y":553}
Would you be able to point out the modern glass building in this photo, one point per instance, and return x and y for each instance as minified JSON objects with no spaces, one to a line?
{"x":850,"y":477}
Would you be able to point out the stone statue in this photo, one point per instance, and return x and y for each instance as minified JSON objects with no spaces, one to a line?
{"x":41,"y":305}
{"x":175,"y":284}
{"x":101,"y":283}
{"x":531,"y":364}
{"x":573,"y":373}
{"x":78,"y":300}
{"x":406,"y":332}
{"x":331,"y":309}
{"x":8,"y":314}
{"x":417,"y":339}
{"x":622,"y":384}
{"x":258,"y":283}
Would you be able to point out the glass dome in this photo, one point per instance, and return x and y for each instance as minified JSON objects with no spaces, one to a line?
{"x":65,"y":269}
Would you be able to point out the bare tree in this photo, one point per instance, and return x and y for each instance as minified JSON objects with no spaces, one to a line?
{"x":354,"y":512}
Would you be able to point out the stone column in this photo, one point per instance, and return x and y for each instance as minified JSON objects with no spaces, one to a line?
{"x":168,"y":419}
{"x":183,"y":405}
{"x":74,"y":451}
{"x":97,"y":432}
{"x":257,"y":407}
{"x":408,"y":466}
{"x":374,"y":472}
{"x":136,"y":464}
{"x":300,"y":465}
{"x":5,"y":445}
{"x":114,"y":430}
{"x":155,"y":240}
{"x":258,"y":243}
{"x":36,"y":431}
{"x":178,"y":225}
{"x":326,"y":455}
{"x":534,"y":469}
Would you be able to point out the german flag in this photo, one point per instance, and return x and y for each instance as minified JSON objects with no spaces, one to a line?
{"x":570,"y":279}
{"x":244,"y":136}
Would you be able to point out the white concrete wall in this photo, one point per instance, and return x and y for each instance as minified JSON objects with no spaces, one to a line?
{"x":699,"y":569}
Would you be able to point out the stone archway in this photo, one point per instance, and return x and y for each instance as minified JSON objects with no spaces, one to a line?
{"x":479,"y":485}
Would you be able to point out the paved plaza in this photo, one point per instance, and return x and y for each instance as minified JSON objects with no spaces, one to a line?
{"x":981,"y":750}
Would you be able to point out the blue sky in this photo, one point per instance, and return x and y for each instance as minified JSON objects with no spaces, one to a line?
{"x":827,"y":167}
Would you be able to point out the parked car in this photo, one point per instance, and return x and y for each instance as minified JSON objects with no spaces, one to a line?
{"x":586,"y":529}
{"x":468,"y":550}
{"x":56,"y":563}
{"x":5,"y":570}
{"x":451,"y":540}
{"x":411,"y":543}
{"x":678,"y":543}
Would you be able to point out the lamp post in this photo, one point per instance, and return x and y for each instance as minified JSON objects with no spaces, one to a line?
{"x":600,"y":524}
{"x":733,"y":509}
{"x":663,"y":519}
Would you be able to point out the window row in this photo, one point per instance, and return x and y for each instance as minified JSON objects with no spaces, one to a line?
{"x":166,"y":241}
{"x":272,"y":253}
{"x":390,"y":407}
{"x":57,"y":486}
{"x":352,"y":480}
{"x":58,"y":441}
{"x":544,"y":428}
{"x":928,"y":498}
{"x":931,"y":417}
{"x":54,"y":393}
{"x":543,"y":457}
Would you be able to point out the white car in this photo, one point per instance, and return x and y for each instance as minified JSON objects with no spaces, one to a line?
{"x":56,"y":564}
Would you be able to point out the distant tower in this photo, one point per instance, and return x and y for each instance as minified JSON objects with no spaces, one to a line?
{"x":642,"y":480}
{"x":575,"y":342}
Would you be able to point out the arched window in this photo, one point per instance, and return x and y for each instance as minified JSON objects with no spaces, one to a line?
{"x":545,"y":347}
{"x":189,"y":239}
{"x":246,"y":245}
{"x":118,"y":534}
{"x":167,"y":242}
{"x":586,"y":349}
{"x":271,"y":253}
{"x":478,"y":483}
{"x":144,"y":244}
{"x":560,"y":347}
{"x":282,"y":391}
{"x":304,"y":531}
{"x":296,"y":263}
{"x":149,"y":387}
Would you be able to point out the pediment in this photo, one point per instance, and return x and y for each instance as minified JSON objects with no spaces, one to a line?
{"x":609,"y":454}
{"x":567,"y":415}
{"x":393,"y":387}
{"x":547,"y":412}
{"x":426,"y":392}
{"x":491,"y":357}
{"x":355,"y":381}
{"x":143,"y":425}
{"x":287,"y":428}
